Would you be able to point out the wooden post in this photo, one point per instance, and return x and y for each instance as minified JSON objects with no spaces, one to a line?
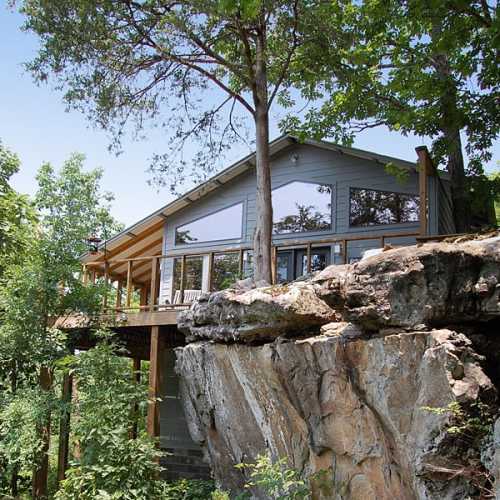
{"x":64,"y":427}
{"x":274,"y":264}
{"x":85,"y":275}
{"x":344,"y":244}
{"x":106,"y":284}
{"x":154,"y":278}
{"x":130,"y":287}
{"x":309,"y":265}
{"x":423,"y":172}
{"x":40,"y":475}
{"x":210,"y":270}
{"x":240,"y":264}
{"x":183,"y":279}
{"x":119,"y":289}
{"x":136,"y":376}
{"x":155,"y":372}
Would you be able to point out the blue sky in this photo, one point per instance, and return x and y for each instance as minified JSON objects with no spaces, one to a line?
{"x":35,"y":124}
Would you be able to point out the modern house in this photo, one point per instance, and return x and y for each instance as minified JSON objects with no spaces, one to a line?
{"x":330,"y":204}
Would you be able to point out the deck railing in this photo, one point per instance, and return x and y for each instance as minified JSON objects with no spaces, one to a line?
{"x":149,"y":291}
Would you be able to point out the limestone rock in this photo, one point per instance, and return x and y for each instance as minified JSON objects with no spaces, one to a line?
{"x":260,"y":314}
{"x":353,"y":408}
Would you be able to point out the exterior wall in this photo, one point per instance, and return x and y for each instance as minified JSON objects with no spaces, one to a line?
{"x":313,"y":165}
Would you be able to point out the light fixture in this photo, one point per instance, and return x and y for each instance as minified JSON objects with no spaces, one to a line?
{"x":93,"y":243}
{"x":294,"y":158}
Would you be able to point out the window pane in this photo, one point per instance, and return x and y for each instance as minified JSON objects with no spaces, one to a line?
{"x":223,"y":225}
{"x":225,"y":270}
{"x":302,"y":206}
{"x":369,"y":207}
{"x":193,"y":273}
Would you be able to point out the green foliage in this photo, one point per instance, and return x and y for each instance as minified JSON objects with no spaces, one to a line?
{"x":277,"y":480}
{"x":188,"y":489}
{"x":401,"y":174}
{"x":469,"y":424}
{"x":41,"y":281}
{"x":111,"y":465}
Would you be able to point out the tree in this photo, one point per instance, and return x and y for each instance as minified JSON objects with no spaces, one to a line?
{"x":428,"y":67}
{"x":16,"y":211}
{"x":43,"y":283}
{"x":125,"y":59}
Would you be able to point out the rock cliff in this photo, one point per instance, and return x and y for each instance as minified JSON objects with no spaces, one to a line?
{"x":340,"y":373}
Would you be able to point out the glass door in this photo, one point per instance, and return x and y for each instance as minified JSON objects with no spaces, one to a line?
{"x":320,"y":258}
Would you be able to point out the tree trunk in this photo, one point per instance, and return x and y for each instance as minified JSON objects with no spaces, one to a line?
{"x":459,"y":192}
{"x":262,"y":241}
{"x":451,"y":126}
{"x":40,"y":475}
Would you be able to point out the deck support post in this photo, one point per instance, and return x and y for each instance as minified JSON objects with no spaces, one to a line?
{"x":41,"y":472}
{"x":155,"y":374}
{"x":106,"y":285}
{"x":64,"y":427}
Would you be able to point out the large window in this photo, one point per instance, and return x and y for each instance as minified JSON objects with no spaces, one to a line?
{"x":370,"y":207}
{"x":302,"y":206}
{"x":223,"y":225}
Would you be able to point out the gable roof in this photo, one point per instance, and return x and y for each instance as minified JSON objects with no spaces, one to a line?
{"x":150,"y":229}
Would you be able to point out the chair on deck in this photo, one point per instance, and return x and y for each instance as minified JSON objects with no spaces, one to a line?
{"x":189,"y":296}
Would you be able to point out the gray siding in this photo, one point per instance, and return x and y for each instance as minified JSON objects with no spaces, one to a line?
{"x":339,"y":170}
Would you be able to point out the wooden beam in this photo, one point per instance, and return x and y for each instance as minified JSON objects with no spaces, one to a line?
{"x":64,"y":427}
{"x":154,"y":278}
{"x":137,"y":253}
{"x":106,"y":284}
{"x":130,"y":287}
{"x":130,"y":243}
{"x":155,"y":373}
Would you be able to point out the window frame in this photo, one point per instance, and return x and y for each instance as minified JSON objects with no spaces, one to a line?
{"x":223,"y":240}
{"x":391,"y":224}
{"x":333,"y":197}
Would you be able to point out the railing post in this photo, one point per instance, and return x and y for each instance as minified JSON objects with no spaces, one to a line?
{"x":119,"y":288}
{"x":183,"y":272}
{"x":154,"y":278}
{"x":129,"y":283}
{"x":309,"y":266}
{"x":106,"y":284}
{"x":344,"y":245}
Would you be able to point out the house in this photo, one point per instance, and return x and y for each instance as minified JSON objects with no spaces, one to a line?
{"x":331,"y":204}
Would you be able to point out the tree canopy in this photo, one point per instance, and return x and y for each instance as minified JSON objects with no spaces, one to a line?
{"x":428,"y":67}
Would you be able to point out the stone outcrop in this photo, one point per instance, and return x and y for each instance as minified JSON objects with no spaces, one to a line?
{"x":337,"y":373}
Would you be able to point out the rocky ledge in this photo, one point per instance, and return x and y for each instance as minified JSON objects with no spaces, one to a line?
{"x":353,"y":372}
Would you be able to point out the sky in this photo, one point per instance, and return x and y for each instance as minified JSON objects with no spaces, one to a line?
{"x":35,"y":124}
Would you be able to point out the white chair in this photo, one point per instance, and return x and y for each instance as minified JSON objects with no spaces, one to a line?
{"x":189,"y":296}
